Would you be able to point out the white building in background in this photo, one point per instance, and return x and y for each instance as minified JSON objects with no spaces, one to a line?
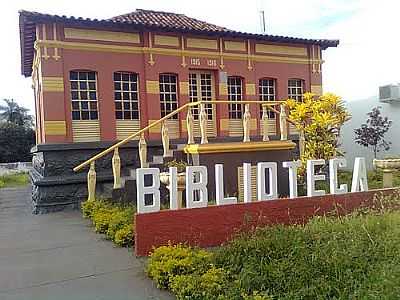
{"x":389,"y":101}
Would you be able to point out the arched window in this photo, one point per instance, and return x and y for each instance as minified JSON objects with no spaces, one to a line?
{"x":84,"y":95}
{"x":235,"y":93}
{"x":126,"y":96}
{"x":168,"y":94}
{"x":267,"y":92}
{"x":296,"y":89}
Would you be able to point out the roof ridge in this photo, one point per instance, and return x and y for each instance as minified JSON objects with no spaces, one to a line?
{"x":140,"y":10}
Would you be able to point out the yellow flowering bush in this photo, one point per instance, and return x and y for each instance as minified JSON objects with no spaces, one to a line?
{"x":320,"y":118}
{"x":167,"y":262}
{"x":114,"y":220}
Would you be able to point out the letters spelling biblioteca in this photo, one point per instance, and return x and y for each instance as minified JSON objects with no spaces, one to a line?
{"x":197,"y":182}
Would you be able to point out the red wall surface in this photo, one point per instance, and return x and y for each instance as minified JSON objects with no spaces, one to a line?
{"x":214,"y":225}
{"x":56,"y":106}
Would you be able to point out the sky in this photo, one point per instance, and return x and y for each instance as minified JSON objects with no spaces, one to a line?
{"x":367,"y":56}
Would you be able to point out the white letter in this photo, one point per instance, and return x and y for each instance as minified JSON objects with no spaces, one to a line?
{"x":333,"y":166}
{"x":143,"y":190}
{"x":219,"y":187}
{"x":247,"y":182}
{"x":359,"y":182}
{"x":173,"y":188}
{"x":273,"y":185}
{"x":292,"y":166}
{"x":199,"y":172}
{"x":311,"y":177}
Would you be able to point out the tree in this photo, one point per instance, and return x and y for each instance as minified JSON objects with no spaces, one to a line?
{"x":16,"y":142}
{"x":13,"y":113}
{"x":372,"y":133}
{"x":320,"y":119}
{"x":16,"y":134}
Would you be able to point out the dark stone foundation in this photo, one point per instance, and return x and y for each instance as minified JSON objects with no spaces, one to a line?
{"x":55,"y":186}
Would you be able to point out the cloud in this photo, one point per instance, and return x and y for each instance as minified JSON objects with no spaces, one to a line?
{"x":366,"y":57}
{"x":368,"y":52}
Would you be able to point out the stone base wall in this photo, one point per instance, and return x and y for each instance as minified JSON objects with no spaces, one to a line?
{"x":55,"y":186}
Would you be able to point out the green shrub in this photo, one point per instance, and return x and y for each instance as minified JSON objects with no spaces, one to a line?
{"x":168,"y":261}
{"x":87,"y":208}
{"x":123,"y":216}
{"x":351,"y":257}
{"x":113,"y":220}
{"x":124,"y":236}
{"x":102,"y":218}
{"x":2,"y":184}
{"x":210,"y":285}
{"x":326,"y":259}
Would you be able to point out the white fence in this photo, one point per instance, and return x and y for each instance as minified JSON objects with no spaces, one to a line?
{"x":18,"y":167}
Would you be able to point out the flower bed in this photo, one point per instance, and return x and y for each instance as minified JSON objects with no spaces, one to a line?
{"x":351,"y":257}
{"x":113,"y":220}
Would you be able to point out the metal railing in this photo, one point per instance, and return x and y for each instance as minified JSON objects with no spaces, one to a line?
{"x":116,"y":165}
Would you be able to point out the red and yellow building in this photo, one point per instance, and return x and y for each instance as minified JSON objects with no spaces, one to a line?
{"x":97,"y":81}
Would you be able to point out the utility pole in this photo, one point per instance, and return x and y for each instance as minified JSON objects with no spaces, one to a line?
{"x":262,"y":21}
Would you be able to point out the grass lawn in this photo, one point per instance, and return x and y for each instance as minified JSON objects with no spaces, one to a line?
{"x":351,"y":257}
{"x":14,"y":180}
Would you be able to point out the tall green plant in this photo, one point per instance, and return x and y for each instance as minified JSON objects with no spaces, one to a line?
{"x":320,"y":118}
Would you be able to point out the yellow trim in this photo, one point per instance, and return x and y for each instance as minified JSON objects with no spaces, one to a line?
{"x":173,"y":52}
{"x":235,"y":46}
{"x":201,"y":43}
{"x":239,"y":147}
{"x":156,"y":128}
{"x":86,"y":130}
{"x":166,"y":40}
{"x":223,"y":89}
{"x":124,"y":128}
{"x":285,"y":50}
{"x":100,"y":35}
{"x":316,"y":89}
{"x":224,"y":124}
{"x":53,"y":84}
{"x":250,"y":89}
{"x":184,"y":87}
{"x":152,"y":87}
{"x":55,"y":128}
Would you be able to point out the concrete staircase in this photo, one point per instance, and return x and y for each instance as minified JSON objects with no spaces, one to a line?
{"x":127,"y":192}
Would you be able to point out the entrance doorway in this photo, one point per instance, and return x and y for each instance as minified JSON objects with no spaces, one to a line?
{"x":202,"y":88}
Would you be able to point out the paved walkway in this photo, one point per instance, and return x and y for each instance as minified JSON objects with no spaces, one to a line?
{"x":58,"y":256}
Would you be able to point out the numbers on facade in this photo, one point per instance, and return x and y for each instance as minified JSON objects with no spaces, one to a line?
{"x":211,"y":62}
{"x":195,"y":61}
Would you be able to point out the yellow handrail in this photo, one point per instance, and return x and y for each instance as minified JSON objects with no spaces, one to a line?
{"x":171,"y":114}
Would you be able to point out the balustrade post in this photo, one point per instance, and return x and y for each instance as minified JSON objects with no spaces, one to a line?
{"x":283,"y":123}
{"x":190,"y":126}
{"x":116,"y":166}
{"x":143,"y":151}
{"x":165,"y":139}
{"x":91,"y":182}
{"x":203,"y":124}
{"x":246,"y":123}
{"x":265,"y":120}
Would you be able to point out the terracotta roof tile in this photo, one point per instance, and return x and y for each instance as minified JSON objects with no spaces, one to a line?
{"x":167,"y":20}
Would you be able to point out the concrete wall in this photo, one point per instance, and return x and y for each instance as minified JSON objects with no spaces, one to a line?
{"x":359,"y":110}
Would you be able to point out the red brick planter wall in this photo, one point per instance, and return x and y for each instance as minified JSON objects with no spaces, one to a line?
{"x":214,"y":225}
